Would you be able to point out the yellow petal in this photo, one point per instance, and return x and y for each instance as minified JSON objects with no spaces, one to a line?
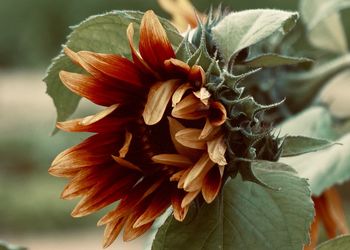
{"x":172,"y":160}
{"x":157,"y":101}
{"x":217,"y":149}
{"x":124,"y":150}
{"x":189,"y":137}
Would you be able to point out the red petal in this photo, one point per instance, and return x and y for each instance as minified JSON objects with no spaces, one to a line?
{"x":112,"y":231}
{"x":92,"y":89}
{"x":212,"y":184}
{"x":154,"y":45}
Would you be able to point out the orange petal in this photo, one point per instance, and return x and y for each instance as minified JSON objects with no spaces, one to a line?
{"x":177,"y":196}
{"x":209,"y":131}
{"x":314,"y":231}
{"x":159,"y":203}
{"x":189,"y":198}
{"x":114,"y":66}
{"x":157,"y":101}
{"x":175,"y":160}
{"x":112,"y":231}
{"x":189,"y":137}
{"x":217,"y":149}
{"x":177,"y":176}
{"x":154,"y":45}
{"x":179,"y":93}
{"x":124,"y":150}
{"x":217,"y":114}
{"x":190,"y":108}
{"x":181,"y":183}
{"x":96,"y":150}
{"x":141,"y":64}
{"x":200,"y":169}
{"x":212,"y":183}
{"x":197,"y":76}
{"x":103,"y":194}
{"x":174,"y":127}
{"x":99,"y":116}
{"x":203,"y":94}
{"x":127,"y":164}
{"x":104,"y":125}
{"x":130,"y":232}
{"x":176,"y":68}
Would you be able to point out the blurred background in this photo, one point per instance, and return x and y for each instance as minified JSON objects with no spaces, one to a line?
{"x":32,"y":32}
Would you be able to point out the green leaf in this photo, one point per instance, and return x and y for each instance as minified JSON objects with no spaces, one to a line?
{"x":274,"y":60}
{"x":323,"y":23}
{"x":339,"y":243}
{"x":240,"y":30}
{"x":5,"y":246}
{"x":328,"y":166}
{"x":246,"y":216}
{"x":296,"y":145}
{"x":104,"y":34}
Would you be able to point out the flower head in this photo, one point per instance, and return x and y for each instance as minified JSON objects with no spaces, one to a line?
{"x":139,"y":151}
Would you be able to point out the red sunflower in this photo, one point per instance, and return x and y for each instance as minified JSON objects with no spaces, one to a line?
{"x":121,"y":162}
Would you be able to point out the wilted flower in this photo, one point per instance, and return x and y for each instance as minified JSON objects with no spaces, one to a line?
{"x":139,"y":150}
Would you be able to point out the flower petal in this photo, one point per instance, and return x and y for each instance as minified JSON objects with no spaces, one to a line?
{"x":141,"y":64}
{"x":217,"y":149}
{"x":189,"y":137}
{"x":175,"y":160}
{"x":212,"y":183}
{"x":179,"y":93}
{"x":92,"y":89}
{"x":157,"y":101}
{"x":154,"y":45}
{"x":190,"y":108}
{"x":112,"y":231}
{"x":200,"y":169}
{"x":126,"y":164}
{"x":197,"y":76}
{"x":176,"y":68}
{"x":114,"y":66}
{"x":177,"y":196}
{"x":174,"y":127}
{"x":203,"y":94}
{"x":124,"y":150}
{"x":189,"y":197}
{"x":217,"y":114}
{"x":159,"y":203}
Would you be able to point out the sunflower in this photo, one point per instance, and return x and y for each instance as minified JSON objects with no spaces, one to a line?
{"x":158,"y":142}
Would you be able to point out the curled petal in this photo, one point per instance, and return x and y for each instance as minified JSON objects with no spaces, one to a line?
{"x":209,"y":131}
{"x":176,"y":68}
{"x":212,"y":183}
{"x":154,"y":45}
{"x":217,"y":149}
{"x":189,"y":137}
{"x":175,"y":160}
{"x":157,"y":101}
{"x":203,"y":95}
{"x":99,"y":116}
{"x":197,"y":76}
{"x":217,"y":114}
{"x":190,"y":108}
{"x":179,"y":93}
